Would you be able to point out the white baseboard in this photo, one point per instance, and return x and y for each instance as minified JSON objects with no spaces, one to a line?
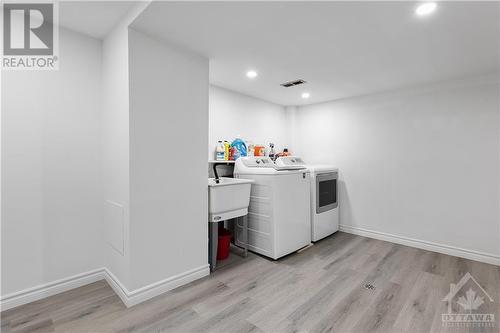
{"x":45,"y":290}
{"x":430,"y":246}
{"x":142,"y":294}
{"x":129,"y":298}
{"x":117,"y":286}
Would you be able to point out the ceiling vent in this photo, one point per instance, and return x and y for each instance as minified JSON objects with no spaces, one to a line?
{"x":292,"y":83}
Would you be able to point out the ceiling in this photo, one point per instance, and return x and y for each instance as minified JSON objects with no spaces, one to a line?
{"x":341,"y":49}
{"x":93,"y":18}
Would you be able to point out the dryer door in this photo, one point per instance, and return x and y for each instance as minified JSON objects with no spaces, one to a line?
{"x":326,"y":191}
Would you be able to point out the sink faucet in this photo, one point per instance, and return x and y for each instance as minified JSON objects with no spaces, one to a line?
{"x":216,"y":175}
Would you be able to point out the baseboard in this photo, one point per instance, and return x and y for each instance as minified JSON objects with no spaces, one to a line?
{"x":142,"y":294}
{"x":42,"y":291}
{"x":430,"y":246}
{"x":129,"y":298}
{"x":116,"y":285}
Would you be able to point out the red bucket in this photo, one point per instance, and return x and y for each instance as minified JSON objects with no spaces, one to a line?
{"x":223,"y":244}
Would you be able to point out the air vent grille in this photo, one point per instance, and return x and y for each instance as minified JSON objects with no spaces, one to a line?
{"x":292,"y":83}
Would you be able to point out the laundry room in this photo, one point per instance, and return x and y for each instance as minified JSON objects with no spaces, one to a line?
{"x":237,"y":166}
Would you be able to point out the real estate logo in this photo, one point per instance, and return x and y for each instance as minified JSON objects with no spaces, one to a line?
{"x":30,"y":36}
{"x":468,"y":305}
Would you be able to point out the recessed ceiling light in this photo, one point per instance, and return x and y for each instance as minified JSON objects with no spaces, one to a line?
{"x":426,"y":8}
{"x":306,"y":95}
{"x":251,"y":74}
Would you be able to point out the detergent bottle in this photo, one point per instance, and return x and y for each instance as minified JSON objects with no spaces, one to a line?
{"x":227,"y":146}
{"x":239,"y":148}
{"x":220,"y":151}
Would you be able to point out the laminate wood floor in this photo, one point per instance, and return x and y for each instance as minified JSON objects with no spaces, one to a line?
{"x":321,"y":289}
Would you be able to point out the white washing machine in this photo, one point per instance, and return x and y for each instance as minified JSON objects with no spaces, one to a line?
{"x":279,"y":220}
{"x":324,"y":196}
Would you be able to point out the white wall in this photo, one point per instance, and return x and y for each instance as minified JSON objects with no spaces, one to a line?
{"x":51,"y":162}
{"x":116,"y":147}
{"x":168,"y":134}
{"x":115,"y":152}
{"x":233,"y":114}
{"x":421,"y":163}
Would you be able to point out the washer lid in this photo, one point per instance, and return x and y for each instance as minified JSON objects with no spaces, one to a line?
{"x":316,"y":168}
{"x":290,"y":163}
{"x":264,"y":165}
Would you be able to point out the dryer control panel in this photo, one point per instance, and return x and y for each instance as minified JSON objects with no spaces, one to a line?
{"x":290,"y":162}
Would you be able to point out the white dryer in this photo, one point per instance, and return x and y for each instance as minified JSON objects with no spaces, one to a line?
{"x":324,"y":196}
{"x":279,"y":220}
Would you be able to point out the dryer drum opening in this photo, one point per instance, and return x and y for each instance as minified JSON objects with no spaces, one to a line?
{"x":326,"y":192}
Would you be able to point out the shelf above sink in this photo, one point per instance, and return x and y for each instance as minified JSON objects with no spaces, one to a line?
{"x":221,"y":162}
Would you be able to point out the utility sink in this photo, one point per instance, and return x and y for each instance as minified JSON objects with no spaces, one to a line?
{"x":228,"y":199}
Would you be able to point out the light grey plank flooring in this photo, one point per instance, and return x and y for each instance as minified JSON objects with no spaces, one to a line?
{"x":318,"y":290}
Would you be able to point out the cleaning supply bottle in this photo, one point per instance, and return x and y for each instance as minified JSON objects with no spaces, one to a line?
{"x":226,"y":150}
{"x":259,"y":150}
{"x":232,"y":153}
{"x":220,"y":151}
{"x":240,"y":148}
{"x":272,"y":154}
{"x":250,"y":149}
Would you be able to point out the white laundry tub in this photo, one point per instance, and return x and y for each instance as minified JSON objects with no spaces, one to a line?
{"x":228,"y":199}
